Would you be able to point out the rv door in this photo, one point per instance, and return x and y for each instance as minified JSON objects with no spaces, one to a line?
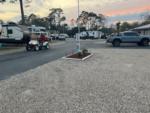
{"x":10,"y":33}
{"x":18,"y":33}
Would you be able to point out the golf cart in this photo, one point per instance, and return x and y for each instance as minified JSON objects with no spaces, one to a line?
{"x":35,"y":44}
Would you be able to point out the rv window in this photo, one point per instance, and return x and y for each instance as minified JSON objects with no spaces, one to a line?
{"x":43,"y":30}
{"x":9,"y":31}
{"x":37,"y":33}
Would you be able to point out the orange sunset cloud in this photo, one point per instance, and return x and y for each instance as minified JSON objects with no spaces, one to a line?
{"x":128,"y":11}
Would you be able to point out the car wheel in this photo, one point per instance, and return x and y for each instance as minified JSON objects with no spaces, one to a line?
{"x":139,"y":44}
{"x":145,"y":42}
{"x":116,"y":43}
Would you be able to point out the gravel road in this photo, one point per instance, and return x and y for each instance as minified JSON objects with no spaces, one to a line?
{"x":112,"y":81}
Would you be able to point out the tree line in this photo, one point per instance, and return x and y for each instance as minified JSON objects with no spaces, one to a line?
{"x":125,"y":26}
{"x":55,"y":20}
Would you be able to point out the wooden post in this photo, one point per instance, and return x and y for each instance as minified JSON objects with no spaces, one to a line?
{"x":22,"y":12}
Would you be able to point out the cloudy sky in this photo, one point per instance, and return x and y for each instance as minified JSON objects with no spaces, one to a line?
{"x":116,"y":10}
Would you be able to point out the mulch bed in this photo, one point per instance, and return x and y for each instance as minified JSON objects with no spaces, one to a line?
{"x":79,"y":56}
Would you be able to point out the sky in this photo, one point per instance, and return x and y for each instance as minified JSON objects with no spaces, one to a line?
{"x":115,"y":10}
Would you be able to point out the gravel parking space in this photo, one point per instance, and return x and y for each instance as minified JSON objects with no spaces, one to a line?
{"x":112,"y":81}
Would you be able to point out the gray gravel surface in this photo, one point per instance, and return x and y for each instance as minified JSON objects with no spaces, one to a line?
{"x":112,"y":81}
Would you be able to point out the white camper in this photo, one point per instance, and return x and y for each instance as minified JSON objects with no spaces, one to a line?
{"x":90,"y":34}
{"x":94,"y":34}
{"x":37,"y":30}
{"x":11,"y":33}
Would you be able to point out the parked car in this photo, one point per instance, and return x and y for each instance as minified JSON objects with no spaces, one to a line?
{"x":54,"y":36}
{"x":66,"y":35}
{"x":62,"y":37}
{"x":128,"y":37}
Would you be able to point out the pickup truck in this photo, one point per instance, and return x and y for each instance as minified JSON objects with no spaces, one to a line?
{"x":128,"y":37}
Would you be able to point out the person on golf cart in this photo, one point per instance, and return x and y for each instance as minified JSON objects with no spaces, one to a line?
{"x":34,"y":36}
{"x":43,"y":38}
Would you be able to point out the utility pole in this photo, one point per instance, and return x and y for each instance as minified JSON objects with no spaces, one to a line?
{"x":22,"y":11}
{"x":21,"y":8}
{"x":78,"y":36}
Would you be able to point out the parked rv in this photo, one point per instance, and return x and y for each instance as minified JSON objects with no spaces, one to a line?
{"x":38,"y":30}
{"x":84,"y":35}
{"x":90,"y":34}
{"x":12,"y":33}
{"x":94,"y":34}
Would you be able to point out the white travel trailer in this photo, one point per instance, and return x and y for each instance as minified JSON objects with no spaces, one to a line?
{"x":95,"y":34}
{"x":90,"y":34}
{"x":12,"y":33}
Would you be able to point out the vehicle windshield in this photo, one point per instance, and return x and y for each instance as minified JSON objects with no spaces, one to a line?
{"x":131,"y":34}
{"x":43,"y":30}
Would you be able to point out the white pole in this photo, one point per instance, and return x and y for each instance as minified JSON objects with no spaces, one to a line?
{"x":78,"y":36}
